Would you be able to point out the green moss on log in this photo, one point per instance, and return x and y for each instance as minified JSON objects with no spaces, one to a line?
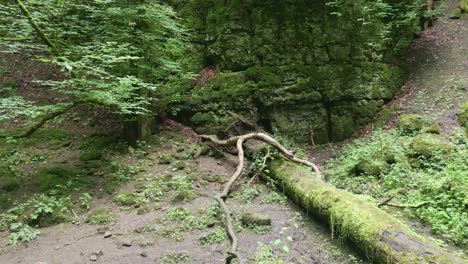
{"x":381,"y":237}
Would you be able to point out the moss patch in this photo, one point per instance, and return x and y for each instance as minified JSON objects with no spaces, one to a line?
{"x":129,"y":199}
{"x":410,"y":123}
{"x":91,"y":155}
{"x":59,"y":177}
{"x":428,"y":145}
{"x":100,"y":217}
{"x":55,"y":138}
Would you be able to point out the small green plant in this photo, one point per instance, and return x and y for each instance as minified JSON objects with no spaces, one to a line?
{"x":39,"y":211}
{"x":264,"y":255}
{"x":183,"y":190}
{"x":176,"y":258}
{"x":248,"y":194}
{"x":210,"y":217}
{"x":215,"y":237}
{"x":176,"y":221}
{"x":273,"y":197}
{"x":85,"y":199}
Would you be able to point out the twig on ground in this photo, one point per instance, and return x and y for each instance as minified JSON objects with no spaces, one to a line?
{"x":78,"y":239}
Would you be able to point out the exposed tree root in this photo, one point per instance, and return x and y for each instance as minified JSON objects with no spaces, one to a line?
{"x":221,"y":198}
{"x":78,"y":239}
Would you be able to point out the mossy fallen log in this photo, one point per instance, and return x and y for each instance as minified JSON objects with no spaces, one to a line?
{"x":381,"y":237}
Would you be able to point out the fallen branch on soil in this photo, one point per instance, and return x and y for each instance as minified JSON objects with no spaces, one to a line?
{"x":78,"y":239}
{"x":243,"y":120}
{"x":416,"y":205}
{"x":49,"y":116}
{"x":221,"y":198}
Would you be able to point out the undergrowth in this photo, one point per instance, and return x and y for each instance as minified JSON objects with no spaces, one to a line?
{"x":411,"y":169}
{"x":40,"y":211}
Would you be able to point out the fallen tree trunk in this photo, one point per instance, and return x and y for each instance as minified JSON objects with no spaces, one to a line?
{"x":381,"y":237}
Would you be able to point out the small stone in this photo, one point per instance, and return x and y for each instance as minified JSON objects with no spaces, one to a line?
{"x":93,"y":257}
{"x":144,"y":242}
{"x":103,"y":230}
{"x":127,"y":243}
{"x":107,"y":234}
{"x":99,"y":253}
{"x":143,"y":254}
{"x":58,"y":247}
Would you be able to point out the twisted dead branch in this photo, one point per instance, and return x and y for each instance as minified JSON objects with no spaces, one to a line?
{"x":221,"y":198}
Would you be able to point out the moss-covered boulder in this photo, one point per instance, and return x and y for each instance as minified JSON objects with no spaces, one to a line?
{"x":255,"y":219}
{"x":91,"y":155}
{"x":410,"y":123}
{"x":429,"y":145}
{"x":130,"y":199}
{"x":100,"y":217}
{"x":165,"y":158}
{"x":433,"y":128}
{"x":371,"y":167}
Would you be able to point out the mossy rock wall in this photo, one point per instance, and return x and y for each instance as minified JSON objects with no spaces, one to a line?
{"x":298,"y":67}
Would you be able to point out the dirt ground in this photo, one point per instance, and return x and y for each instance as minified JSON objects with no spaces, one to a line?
{"x":293,"y":237}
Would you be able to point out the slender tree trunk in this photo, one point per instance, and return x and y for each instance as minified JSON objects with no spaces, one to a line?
{"x":140,"y":128}
{"x":36,"y":27}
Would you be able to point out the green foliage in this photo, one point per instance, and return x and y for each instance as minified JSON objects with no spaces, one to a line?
{"x":412,"y":169}
{"x":176,"y":258}
{"x":39,"y":211}
{"x":248,"y":194}
{"x":212,"y":216}
{"x":217,"y":236}
{"x":183,"y":190}
{"x":273,"y":197}
{"x":176,"y":221}
{"x":85,"y":199}
{"x":380,"y":25}
{"x":264,"y":255}
{"x":115,"y":54}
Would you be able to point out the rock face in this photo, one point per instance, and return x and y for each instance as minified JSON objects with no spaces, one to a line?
{"x":301,"y":71}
